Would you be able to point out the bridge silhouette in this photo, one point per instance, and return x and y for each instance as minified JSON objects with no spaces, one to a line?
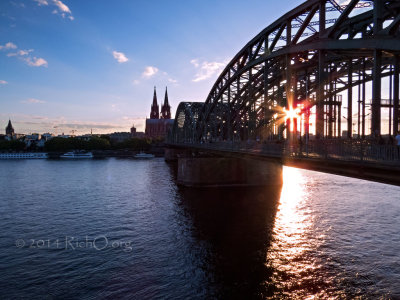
{"x":318,"y":88}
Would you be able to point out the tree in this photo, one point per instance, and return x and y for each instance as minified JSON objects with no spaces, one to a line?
{"x":136,"y":144}
{"x":13,"y":145}
{"x":98,"y":143}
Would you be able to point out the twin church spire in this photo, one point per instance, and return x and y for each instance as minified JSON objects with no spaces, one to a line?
{"x":154,"y":114}
{"x":165,"y":108}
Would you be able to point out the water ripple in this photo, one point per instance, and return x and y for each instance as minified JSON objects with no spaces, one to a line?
{"x":318,"y":236}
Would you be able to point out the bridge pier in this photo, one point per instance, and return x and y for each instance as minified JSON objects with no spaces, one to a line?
{"x":172,"y":154}
{"x":228,"y":171}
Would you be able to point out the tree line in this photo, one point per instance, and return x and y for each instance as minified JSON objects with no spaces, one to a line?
{"x":14,"y":145}
{"x":58,"y":144}
{"x":96,"y":143}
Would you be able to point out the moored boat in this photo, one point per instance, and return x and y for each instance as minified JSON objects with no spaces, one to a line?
{"x":24,"y":155}
{"x":143,"y":155}
{"x":77,"y":155}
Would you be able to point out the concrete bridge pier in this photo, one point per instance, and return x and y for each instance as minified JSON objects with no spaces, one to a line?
{"x":172,"y":154}
{"x":228,"y":171}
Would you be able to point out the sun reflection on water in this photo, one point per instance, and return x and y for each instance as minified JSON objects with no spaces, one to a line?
{"x":290,"y":242}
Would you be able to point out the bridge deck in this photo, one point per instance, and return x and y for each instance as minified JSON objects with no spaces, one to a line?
{"x":379,"y":163}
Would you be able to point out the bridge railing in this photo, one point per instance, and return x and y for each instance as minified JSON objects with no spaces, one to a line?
{"x":270,"y":149}
{"x":349,"y":150}
{"x":334,"y":149}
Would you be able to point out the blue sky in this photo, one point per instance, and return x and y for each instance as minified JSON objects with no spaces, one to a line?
{"x":75,"y":65}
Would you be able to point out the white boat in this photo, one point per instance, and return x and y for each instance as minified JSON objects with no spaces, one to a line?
{"x":143,"y":155}
{"x":26,"y":155}
{"x":77,"y":155}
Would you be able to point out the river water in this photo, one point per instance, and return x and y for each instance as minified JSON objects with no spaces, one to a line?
{"x":122,"y":229}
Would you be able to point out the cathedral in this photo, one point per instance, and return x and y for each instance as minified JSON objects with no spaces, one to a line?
{"x":157,"y":126}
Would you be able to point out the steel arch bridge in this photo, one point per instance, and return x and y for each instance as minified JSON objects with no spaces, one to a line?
{"x":326,"y":66}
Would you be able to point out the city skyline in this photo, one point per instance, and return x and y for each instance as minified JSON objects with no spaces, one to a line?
{"x":69,"y":65}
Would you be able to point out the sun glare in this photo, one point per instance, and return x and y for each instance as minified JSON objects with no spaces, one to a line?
{"x":292,"y":113}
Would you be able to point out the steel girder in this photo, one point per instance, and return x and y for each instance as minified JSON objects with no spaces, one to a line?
{"x":184,"y":128}
{"x":313,"y":52}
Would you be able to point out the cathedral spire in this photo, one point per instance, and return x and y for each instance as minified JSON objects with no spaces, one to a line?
{"x":154,"y":114}
{"x":9,"y":128}
{"x":155,"y":97}
{"x":166,"y":96}
{"x":166,"y":108}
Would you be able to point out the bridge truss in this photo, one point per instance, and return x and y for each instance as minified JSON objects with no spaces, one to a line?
{"x":336,"y":65}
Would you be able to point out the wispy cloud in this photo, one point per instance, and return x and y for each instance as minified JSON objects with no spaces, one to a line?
{"x":195,"y":62}
{"x":8,"y":46}
{"x":206,"y":69}
{"x":42,"y":2}
{"x":20,"y":53}
{"x":36,"y":62}
{"x":3,"y":82}
{"x":89,"y":125}
{"x":115,"y":107}
{"x":24,"y":55}
{"x":149,"y":72}
{"x":120,"y":57}
{"x":26,"y":123}
{"x":17,"y":4}
{"x":33,"y":101}
{"x":61,"y":8}
{"x":172,"y":80}
{"x":24,"y":52}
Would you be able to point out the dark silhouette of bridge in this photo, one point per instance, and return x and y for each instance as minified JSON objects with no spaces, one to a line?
{"x":318,"y":88}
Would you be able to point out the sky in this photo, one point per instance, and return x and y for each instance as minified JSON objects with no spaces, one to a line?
{"x":74,"y":65}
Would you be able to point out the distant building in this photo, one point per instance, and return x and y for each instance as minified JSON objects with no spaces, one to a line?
{"x":133,"y":130}
{"x":118,"y":137}
{"x":9,"y":129}
{"x":36,"y":139}
{"x":33,"y":136}
{"x":156,"y":127}
{"x":136,"y":134}
{"x":10,"y":134}
{"x":47,"y":136}
{"x":31,"y":139}
{"x":85,"y":137}
{"x":16,"y":136}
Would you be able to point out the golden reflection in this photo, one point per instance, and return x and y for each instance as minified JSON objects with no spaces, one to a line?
{"x":290,"y":222}
{"x":291,"y":195}
{"x":292,"y":226}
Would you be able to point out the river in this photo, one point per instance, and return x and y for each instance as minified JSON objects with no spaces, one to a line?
{"x":123,"y":229}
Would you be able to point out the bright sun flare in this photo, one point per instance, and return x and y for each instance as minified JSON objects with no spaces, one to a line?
{"x":291,"y":113}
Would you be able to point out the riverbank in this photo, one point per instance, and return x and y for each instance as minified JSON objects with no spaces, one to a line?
{"x":156,"y":150}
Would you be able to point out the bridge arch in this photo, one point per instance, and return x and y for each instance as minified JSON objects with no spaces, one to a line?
{"x":185,"y":123}
{"x":322,"y":58}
